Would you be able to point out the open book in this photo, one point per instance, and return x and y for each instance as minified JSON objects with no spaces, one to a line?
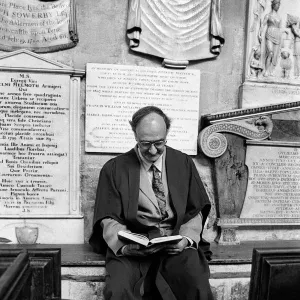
{"x":143,"y":240}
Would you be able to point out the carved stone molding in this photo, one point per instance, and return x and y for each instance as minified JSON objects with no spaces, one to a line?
{"x":178,"y":31}
{"x":230,"y":227}
{"x":214,"y":144}
{"x":53,"y":215}
{"x":246,"y":222}
{"x":245,"y":131}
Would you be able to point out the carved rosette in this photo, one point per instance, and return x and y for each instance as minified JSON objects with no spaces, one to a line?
{"x":213,"y":144}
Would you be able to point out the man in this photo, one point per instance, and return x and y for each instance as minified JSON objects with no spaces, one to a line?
{"x":165,"y":199}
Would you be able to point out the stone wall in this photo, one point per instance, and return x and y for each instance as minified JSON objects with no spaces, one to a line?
{"x":227,"y":282}
{"x":102,"y":39}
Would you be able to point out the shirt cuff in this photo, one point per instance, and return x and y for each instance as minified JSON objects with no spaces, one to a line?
{"x":120,"y":251}
{"x":191,"y":243}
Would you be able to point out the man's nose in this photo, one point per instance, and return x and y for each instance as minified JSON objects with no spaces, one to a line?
{"x":152,"y":150}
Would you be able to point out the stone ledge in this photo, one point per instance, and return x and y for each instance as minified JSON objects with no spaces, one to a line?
{"x":82,"y":254}
{"x":71,"y":254}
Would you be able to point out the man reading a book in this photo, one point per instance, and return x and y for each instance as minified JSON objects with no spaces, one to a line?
{"x":156,"y":191}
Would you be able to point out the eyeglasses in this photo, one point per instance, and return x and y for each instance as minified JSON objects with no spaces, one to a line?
{"x":157,"y":144}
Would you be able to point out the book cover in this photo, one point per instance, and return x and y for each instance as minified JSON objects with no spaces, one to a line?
{"x":143,"y":240}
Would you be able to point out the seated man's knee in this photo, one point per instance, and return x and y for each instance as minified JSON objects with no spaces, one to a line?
{"x":188,"y":266}
{"x":116,"y":290}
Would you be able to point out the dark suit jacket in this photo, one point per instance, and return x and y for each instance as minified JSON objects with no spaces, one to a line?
{"x":118,"y":191}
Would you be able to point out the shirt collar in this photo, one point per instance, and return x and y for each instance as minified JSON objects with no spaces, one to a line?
{"x":147,"y":165}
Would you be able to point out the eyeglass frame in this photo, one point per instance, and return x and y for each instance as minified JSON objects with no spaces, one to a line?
{"x":152,"y":143}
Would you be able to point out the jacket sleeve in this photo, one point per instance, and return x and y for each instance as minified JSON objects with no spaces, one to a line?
{"x":198,"y":205}
{"x":110,"y":229}
{"x":198,"y":200}
{"x":108,"y":204}
{"x":192,"y":229}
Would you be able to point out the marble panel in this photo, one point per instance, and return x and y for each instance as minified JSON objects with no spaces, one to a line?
{"x":39,"y":149}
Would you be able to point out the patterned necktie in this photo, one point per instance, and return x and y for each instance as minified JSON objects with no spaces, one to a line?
{"x":159,"y":192}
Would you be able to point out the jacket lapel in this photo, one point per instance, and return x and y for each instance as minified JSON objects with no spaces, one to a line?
{"x":133,"y":184}
{"x":172,"y":170}
{"x":146,"y":188}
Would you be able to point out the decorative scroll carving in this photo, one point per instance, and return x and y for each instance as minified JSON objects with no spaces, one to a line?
{"x":214,"y":144}
{"x":178,"y":32}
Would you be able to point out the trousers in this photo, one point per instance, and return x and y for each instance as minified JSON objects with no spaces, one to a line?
{"x":159,"y":277}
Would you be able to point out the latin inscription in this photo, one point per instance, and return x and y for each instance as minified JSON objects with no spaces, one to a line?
{"x":34,"y":144}
{"x":274,"y":182}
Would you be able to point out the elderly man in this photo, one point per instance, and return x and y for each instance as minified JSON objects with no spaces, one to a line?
{"x":154,"y":190}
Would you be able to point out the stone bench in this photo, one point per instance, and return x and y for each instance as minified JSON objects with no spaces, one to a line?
{"x":83,"y":271}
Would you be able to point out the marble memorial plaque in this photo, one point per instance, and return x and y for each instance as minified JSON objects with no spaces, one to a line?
{"x":41,"y":26}
{"x":34,"y":143}
{"x":273,"y":189}
{"x":39,"y":149}
{"x":115,"y":92}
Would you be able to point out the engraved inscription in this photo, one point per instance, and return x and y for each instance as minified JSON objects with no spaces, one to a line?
{"x":114,"y":93}
{"x":274,"y":182}
{"x":34,"y":150}
{"x":34,"y":24}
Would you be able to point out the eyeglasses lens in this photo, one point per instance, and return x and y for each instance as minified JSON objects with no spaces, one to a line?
{"x":147,"y":145}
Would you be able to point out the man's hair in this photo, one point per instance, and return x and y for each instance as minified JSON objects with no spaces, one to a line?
{"x":145,"y":111}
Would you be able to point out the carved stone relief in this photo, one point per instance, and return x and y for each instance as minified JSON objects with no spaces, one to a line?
{"x":214,"y":144}
{"x":256,"y":180}
{"x":273,"y":52}
{"x":272,"y":65}
{"x":175,"y":31}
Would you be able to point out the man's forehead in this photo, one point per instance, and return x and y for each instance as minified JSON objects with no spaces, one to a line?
{"x":151,"y":127}
{"x":152,"y":119}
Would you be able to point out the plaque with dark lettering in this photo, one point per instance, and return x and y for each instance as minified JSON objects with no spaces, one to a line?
{"x":40,"y":26}
{"x":33,"y":148}
{"x":115,"y":92}
{"x":273,"y":189}
{"x":39,"y":150}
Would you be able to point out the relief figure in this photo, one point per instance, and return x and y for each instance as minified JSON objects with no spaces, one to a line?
{"x":255,"y":62}
{"x":285,"y":64}
{"x":294,"y":23}
{"x":270,"y":37}
{"x":258,"y":10}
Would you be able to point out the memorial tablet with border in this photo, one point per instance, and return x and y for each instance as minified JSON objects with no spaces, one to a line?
{"x":115,"y":92}
{"x":39,"y":150}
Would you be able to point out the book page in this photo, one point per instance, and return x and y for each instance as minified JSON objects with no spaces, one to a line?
{"x":166,"y":239}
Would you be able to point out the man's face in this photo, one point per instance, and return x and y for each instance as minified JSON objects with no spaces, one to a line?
{"x":151,"y":128}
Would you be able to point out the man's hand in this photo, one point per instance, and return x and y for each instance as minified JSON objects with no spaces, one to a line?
{"x":138,"y":250}
{"x":174,"y":249}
